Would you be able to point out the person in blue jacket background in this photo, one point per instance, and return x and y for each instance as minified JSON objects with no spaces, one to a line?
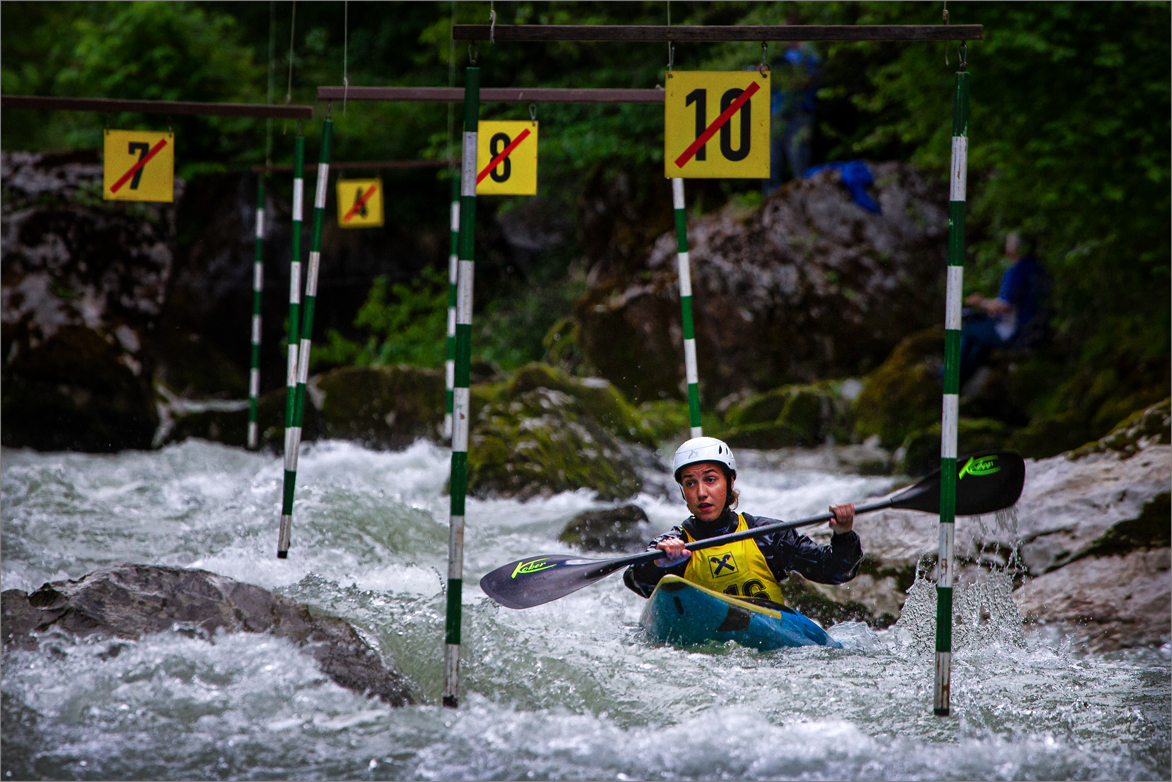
{"x":1016,"y":318}
{"x":794,"y":76}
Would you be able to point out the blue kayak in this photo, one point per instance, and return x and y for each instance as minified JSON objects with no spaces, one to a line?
{"x":685,"y":614}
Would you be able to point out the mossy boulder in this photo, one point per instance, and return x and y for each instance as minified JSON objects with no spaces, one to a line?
{"x":625,"y":528}
{"x":381,"y":407}
{"x":665,"y":419}
{"x":921,"y":450}
{"x":1143,"y":427}
{"x":544,"y":432}
{"x":799,"y":415}
{"x":903,"y":394}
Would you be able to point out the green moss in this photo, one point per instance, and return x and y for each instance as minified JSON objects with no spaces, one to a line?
{"x":903,"y":394}
{"x":797,"y":415}
{"x":665,"y":419}
{"x":1148,"y":530}
{"x":922,"y":448}
{"x":383,"y":406}
{"x":1150,"y":424}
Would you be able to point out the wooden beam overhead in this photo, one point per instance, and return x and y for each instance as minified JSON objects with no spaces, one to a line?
{"x":489,"y":95}
{"x":712,"y":34}
{"x":114,"y":106}
{"x":362,"y":165}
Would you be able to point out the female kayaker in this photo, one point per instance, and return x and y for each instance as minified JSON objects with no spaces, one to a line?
{"x":706,"y":470}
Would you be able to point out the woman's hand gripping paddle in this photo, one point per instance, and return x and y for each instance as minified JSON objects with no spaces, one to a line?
{"x":986,"y":482}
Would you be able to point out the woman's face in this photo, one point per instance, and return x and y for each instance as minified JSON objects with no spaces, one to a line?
{"x":705,"y":490}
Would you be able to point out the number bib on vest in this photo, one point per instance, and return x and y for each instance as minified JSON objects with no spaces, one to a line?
{"x":737,"y":568}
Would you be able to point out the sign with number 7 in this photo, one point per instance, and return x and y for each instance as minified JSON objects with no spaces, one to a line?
{"x":139,"y":165}
{"x":716,"y":125}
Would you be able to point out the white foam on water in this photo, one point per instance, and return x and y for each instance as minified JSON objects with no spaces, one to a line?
{"x":568,"y":690}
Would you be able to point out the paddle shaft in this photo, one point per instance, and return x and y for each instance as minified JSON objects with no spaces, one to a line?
{"x":720,"y":540}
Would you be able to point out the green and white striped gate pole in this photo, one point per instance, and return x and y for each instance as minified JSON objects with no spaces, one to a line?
{"x":690,"y":372}
{"x":292,"y":435}
{"x":306,"y":331}
{"x":258,"y":272}
{"x":453,"y":272}
{"x":956,"y":209}
{"x":461,"y":399}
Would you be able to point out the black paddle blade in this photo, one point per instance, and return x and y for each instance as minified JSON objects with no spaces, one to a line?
{"x":986,"y":482}
{"x":536,"y":580}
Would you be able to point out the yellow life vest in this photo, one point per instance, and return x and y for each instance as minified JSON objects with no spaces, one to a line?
{"x":737,"y":568}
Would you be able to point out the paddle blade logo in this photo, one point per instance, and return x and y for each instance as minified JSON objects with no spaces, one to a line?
{"x":985,"y":465}
{"x":532,"y":566}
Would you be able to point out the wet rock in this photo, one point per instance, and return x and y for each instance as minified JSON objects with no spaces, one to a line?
{"x":920,"y":453}
{"x":903,"y":394}
{"x":625,"y":528}
{"x":801,"y":415}
{"x":381,"y":407}
{"x":807,"y":286}
{"x":1108,"y":603}
{"x":545,"y":432}
{"x":83,"y":286}
{"x":129,"y":601}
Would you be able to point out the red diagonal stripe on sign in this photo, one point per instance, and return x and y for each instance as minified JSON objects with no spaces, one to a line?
{"x":359,"y":204}
{"x":724,"y":117}
{"x":114,"y":188}
{"x":496,"y":161}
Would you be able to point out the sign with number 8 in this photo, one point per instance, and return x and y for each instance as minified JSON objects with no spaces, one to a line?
{"x":716,"y":125}
{"x":506,"y":158}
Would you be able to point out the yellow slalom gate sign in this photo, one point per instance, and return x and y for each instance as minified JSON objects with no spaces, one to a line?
{"x":138,"y":165}
{"x":360,"y":203}
{"x":506,"y":158}
{"x":716,"y":125}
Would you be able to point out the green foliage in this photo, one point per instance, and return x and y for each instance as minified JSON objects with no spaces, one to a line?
{"x":408,"y":327}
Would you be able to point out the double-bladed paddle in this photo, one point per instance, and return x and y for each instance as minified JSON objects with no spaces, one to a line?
{"x":986,"y":482}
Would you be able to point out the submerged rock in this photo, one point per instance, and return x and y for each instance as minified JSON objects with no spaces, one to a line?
{"x":129,"y":601}
{"x":625,"y":528}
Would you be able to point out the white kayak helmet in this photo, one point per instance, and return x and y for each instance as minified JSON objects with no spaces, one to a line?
{"x":703,"y":449}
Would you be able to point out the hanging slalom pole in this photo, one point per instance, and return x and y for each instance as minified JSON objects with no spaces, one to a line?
{"x":691,"y":373}
{"x":258,"y":271}
{"x":292,"y":432}
{"x":461,"y":401}
{"x":956,"y":215}
{"x":453,"y":272}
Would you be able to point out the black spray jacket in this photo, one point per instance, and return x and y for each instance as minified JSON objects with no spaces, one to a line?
{"x":784,"y":551}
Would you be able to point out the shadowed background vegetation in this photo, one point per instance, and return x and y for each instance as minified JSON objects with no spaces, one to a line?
{"x":1069,"y":139}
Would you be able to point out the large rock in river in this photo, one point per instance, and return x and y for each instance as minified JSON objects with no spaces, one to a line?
{"x":808,"y":286}
{"x":129,"y":601}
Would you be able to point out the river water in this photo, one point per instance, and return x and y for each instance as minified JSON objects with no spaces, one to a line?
{"x":569,"y":690}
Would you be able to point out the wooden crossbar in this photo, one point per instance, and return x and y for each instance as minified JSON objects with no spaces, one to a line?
{"x":489,"y":95}
{"x":112,"y":106}
{"x":713,"y":34}
{"x":360,"y":165}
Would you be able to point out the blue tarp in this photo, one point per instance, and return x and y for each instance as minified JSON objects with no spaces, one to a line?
{"x":857,"y":178}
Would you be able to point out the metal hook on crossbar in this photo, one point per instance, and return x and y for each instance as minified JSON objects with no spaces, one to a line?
{"x":671,"y":55}
{"x":329,"y":106}
{"x":963,"y":52}
{"x":472,"y":52}
{"x":764,"y":67}
{"x":533,"y":111}
{"x":300,"y":128}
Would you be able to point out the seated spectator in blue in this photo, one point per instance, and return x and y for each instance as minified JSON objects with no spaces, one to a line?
{"x":1016,"y":318}
{"x":795,"y":84}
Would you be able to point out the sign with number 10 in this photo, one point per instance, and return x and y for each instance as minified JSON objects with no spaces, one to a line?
{"x":716,"y":125}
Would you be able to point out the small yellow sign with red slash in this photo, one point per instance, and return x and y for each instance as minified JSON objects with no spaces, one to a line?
{"x":716,"y":125}
{"x":506,"y":158}
{"x":139,"y":165}
{"x":360,"y":203}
